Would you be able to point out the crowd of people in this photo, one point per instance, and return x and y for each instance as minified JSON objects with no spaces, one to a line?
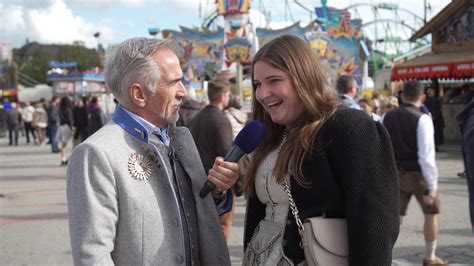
{"x":132,"y":185}
{"x":55,"y":122}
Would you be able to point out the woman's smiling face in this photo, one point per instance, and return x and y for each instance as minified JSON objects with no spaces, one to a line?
{"x":275,"y":91}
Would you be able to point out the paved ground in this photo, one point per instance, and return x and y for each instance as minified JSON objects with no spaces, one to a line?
{"x":33,"y":212}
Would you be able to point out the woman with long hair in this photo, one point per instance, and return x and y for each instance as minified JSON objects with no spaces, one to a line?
{"x":65,"y":130}
{"x":338,"y":163}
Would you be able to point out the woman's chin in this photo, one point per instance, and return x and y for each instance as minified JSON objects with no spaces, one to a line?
{"x":277,"y":120}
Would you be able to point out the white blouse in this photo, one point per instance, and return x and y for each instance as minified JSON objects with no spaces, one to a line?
{"x":269,"y":192}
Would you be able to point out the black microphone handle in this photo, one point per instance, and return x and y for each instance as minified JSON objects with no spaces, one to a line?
{"x":233,"y":156}
{"x":208,"y":187}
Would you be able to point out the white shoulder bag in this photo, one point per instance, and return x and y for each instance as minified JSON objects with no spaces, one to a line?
{"x":324,"y":239}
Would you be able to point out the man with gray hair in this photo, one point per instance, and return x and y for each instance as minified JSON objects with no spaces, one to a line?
{"x":133,"y":186}
{"x":347,"y":91}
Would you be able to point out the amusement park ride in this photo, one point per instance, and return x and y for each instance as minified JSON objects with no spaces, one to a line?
{"x":357,"y":40}
{"x":346,"y":41}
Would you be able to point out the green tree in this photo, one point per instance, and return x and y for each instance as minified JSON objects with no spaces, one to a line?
{"x":85,"y":58}
{"x":37,"y":67}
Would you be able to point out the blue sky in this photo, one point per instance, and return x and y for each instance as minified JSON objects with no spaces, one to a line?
{"x":65,"y":21}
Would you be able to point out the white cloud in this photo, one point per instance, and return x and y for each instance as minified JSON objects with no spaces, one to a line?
{"x":11,"y":19}
{"x":174,"y":5}
{"x":12,"y":24}
{"x":30,"y":4}
{"x":257,"y":18}
{"x":55,"y":23}
{"x":97,"y":5}
{"x":186,"y":5}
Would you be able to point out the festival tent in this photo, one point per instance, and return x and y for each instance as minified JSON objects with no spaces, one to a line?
{"x":452,"y":48}
{"x":447,"y":65}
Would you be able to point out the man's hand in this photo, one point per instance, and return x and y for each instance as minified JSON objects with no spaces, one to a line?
{"x":223,"y":175}
{"x":430,"y":197}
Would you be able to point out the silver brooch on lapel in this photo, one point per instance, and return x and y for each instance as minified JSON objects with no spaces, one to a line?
{"x":139,"y":166}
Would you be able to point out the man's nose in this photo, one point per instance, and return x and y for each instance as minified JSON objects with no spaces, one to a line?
{"x":182,"y":90}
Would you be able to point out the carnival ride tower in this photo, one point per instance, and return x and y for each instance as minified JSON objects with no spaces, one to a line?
{"x":237,"y":46}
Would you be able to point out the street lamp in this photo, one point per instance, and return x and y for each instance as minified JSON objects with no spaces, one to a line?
{"x":96,"y":36}
{"x":99,"y":46}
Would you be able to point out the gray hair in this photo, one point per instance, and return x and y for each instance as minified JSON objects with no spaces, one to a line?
{"x":345,"y":83}
{"x":132,"y":62}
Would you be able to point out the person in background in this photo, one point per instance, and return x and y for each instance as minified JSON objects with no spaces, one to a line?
{"x":6,"y":105}
{"x":132,"y":187}
{"x":388,"y":104}
{"x":464,"y":96}
{"x":465,"y":118}
{"x":337,"y":161}
{"x":377,"y":101}
{"x":212,"y":133}
{"x":424,"y":109}
{"x":21,"y":108}
{"x":399,"y":96}
{"x":236,"y":116}
{"x":65,"y":130}
{"x":434,"y":107}
{"x":238,"y":119}
{"x":367,"y":106}
{"x":3,"y":121}
{"x":347,"y":88}
{"x":412,"y":135}
{"x":79,"y":114}
{"x":13,"y":124}
{"x":189,"y":108}
{"x":40,"y":120}
{"x":210,"y":128}
{"x":53,"y":120}
{"x":27,"y":117}
{"x":95,"y":116}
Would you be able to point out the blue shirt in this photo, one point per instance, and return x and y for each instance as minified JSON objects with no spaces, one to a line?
{"x":348,"y":101}
{"x":162,"y":133}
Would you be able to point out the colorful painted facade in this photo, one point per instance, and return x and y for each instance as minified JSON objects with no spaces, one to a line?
{"x":334,"y":36}
{"x":200,"y":52}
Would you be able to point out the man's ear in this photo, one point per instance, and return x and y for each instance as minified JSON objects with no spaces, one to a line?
{"x":221,"y":97}
{"x":354,"y":89}
{"x":423,"y":98}
{"x":137,"y":94}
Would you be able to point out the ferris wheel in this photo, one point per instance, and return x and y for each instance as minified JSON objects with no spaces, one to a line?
{"x":386,"y":27}
{"x":389,"y":27}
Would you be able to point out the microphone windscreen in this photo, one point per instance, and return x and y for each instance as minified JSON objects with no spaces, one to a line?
{"x":250,"y":136}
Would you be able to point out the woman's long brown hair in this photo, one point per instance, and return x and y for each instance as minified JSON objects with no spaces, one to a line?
{"x":295,"y":57}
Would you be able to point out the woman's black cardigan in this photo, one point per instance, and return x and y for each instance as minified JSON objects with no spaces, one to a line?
{"x":353,"y":174}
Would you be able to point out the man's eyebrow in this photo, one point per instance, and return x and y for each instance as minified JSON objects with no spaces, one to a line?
{"x":176,"y":80}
